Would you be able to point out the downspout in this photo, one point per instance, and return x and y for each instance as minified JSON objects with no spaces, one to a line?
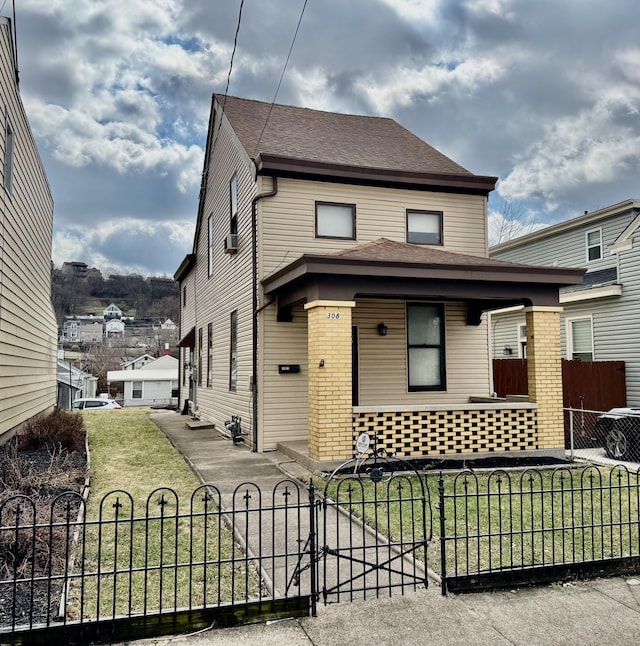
{"x":254,"y":265}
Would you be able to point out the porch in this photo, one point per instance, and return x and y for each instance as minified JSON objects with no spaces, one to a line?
{"x":474,"y":431}
{"x":422,"y":407}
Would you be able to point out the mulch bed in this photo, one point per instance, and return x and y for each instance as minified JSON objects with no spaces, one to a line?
{"x":43,"y":476}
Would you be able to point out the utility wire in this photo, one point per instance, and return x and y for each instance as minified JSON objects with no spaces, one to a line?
{"x":304,"y":6}
{"x":226,"y":90}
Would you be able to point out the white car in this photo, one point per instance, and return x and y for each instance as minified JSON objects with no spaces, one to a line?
{"x":95,"y":403}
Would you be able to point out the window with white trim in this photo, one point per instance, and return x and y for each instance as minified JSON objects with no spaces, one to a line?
{"x":424,"y":227}
{"x":580,"y":339}
{"x":334,"y":220}
{"x":594,"y":244}
{"x":425,"y":347}
{"x":136,"y":390}
{"x":522,"y":341}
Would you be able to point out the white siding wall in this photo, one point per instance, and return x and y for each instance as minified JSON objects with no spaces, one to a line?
{"x":154,"y":393}
{"x":27,"y":324}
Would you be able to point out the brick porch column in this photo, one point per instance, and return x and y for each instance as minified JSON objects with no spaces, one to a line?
{"x":329,"y":355}
{"x":545,"y":373}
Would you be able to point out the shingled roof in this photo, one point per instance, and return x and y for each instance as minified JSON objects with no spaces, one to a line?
{"x":279,"y":136}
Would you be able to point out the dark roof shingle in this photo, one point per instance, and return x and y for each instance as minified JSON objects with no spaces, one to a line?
{"x":332,"y":138}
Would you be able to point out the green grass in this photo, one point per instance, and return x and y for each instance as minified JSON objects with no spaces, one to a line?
{"x":157,"y":546}
{"x":520,"y":519}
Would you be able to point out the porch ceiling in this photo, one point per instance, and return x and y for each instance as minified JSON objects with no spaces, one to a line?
{"x":395,"y":270}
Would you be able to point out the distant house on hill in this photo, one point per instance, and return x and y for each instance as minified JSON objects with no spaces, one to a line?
{"x":28,"y":328}
{"x":153,"y":384}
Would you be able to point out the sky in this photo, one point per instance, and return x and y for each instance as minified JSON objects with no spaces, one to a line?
{"x":543,"y":95}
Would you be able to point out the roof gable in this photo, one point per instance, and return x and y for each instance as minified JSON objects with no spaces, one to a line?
{"x":330,"y":137}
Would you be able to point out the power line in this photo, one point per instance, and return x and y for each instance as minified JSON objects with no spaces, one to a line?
{"x":233,"y":53}
{"x":281,"y":77}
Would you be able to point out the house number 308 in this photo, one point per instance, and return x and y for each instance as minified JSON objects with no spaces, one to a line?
{"x":333,"y":315}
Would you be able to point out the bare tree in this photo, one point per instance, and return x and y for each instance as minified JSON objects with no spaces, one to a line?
{"x":510,"y":219}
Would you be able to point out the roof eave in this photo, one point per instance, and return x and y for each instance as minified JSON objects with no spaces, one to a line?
{"x":267,"y":164}
{"x":185,"y":267}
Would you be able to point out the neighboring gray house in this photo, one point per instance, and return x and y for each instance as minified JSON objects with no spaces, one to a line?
{"x":153,"y":384}
{"x":600,"y":317}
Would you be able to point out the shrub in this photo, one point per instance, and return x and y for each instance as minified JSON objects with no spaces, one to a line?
{"x":60,"y":429}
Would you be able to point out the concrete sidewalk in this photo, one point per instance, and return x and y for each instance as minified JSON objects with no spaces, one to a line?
{"x":594,"y":612}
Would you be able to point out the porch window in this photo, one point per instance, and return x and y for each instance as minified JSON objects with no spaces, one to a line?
{"x":424,"y":227}
{"x":580,"y":339}
{"x":210,"y":355}
{"x":425,"y":346}
{"x":335,"y":220}
{"x":136,"y":390}
{"x":233,"y":351}
{"x":594,"y":245}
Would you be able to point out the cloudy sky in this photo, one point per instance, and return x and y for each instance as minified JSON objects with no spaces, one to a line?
{"x":543,"y":94}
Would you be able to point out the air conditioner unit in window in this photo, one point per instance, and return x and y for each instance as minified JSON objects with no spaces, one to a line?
{"x":231,"y":243}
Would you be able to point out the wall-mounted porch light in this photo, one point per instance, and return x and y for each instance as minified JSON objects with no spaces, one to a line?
{"x":382,"y":329}
{"x":507,"y":350}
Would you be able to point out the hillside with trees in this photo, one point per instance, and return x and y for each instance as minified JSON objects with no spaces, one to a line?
{"x":143,"y":299}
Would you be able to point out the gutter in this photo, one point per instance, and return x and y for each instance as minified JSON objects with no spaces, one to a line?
{"x":255,"y":310}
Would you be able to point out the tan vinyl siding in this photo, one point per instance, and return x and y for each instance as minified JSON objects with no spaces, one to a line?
{"x":27,"y":324}
{"x":284,"y":401}
{"x":383,"y":360}
{"x":504,"y":332}
{"x":289,"y":219}
{"x":382,"y":365}
{"x":228,"y":288}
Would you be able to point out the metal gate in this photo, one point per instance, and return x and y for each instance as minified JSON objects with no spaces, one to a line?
{"x":374,"y":528}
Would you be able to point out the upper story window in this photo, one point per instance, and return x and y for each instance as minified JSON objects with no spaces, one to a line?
{"x":425,"y":346}
{"x":334,"y":220}
{"x":210,"y":242}
{"x":594,"y":244}
{"x":8,"y":155}
{"x":184,"y":296}
{"x":233,"y":200}
{"x":424,"y":227}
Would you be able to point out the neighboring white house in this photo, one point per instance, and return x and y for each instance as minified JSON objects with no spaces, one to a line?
{"x":599,"y":321}
{"x":137,"y":363}
{"x":112,"y":312}
{"x":114,"y":328}
{"x":154,"y":384}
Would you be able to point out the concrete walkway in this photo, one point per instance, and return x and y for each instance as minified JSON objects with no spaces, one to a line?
{"x":597,"y":612}
{"x":216,"y":460}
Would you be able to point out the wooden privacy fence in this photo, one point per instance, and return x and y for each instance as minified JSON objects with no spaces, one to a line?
{"x":597,"y":385}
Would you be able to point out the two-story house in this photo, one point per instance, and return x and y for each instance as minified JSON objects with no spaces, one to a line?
{"x":28,"y":331}
{"x":337,"y":286}
{"x":598,"y":322}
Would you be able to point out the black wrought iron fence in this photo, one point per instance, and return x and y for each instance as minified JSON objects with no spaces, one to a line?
{"x":126,"y":571}
{"x":519,"y":528}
